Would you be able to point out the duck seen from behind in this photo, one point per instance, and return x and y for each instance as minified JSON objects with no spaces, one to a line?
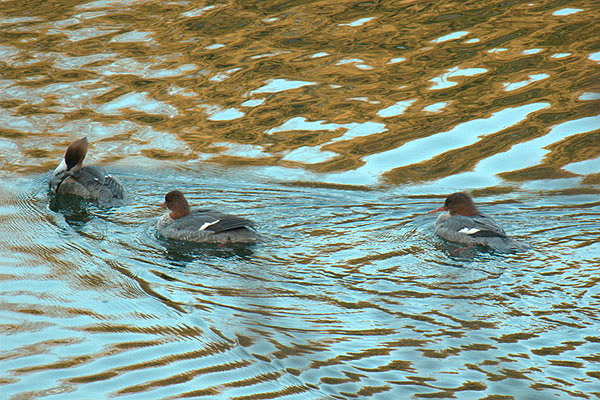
{"x":203,"y":226}
{"x":462,"y":222}
{"x":90,"y":182}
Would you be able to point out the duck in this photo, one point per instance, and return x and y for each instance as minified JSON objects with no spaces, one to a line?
{"x":461,"y":222}
{"x":89,"y":182}
{"x":202,"y":225}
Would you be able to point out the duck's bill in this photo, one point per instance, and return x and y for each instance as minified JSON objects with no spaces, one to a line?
{"x":442,"y":208}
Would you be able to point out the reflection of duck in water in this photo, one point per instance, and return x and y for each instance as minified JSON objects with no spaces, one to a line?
{"x":89,"y":182}
{"x":204,"y":226}
{"x":463,"y":223}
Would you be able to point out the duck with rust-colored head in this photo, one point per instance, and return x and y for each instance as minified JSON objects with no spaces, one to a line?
{"x":462,"y":222}
{"x":89,"y":182}
{"x":203,"y":226}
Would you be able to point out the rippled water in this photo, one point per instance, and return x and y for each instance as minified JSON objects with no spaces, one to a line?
{"x":335,"y":126}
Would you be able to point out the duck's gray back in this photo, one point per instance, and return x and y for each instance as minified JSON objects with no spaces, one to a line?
{"x":89,"y":182}
{"x":207,"y":226}
{"x":476,"y":230}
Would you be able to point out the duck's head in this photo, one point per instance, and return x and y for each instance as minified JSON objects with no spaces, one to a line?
{"x":76,"y":153}
{"x":175,"y":201}
{"x":459,"y":203}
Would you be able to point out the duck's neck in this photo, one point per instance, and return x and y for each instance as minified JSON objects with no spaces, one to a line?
{"x":76,"y":167}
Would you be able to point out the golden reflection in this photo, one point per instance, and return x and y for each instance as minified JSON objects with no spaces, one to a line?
{"x":359,"y":58}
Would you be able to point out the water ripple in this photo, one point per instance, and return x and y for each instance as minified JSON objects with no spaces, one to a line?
{"x":336,"y":126}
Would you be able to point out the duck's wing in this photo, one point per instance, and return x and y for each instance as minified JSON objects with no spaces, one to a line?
{"x":470,"y":230}
{"x":487,"y":227}
{"x":478,"y":226}
{"x":113,"y":185}
{"x":67,"y":183}
{"x":101,"y":185}
{"x":211,"y":221}
{"x":477,"y":230}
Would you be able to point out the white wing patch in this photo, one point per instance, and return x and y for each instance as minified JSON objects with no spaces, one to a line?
{"x":469,"y":231}
{"x":207,"y":224}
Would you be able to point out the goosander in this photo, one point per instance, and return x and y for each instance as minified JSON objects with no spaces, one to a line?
{"x":204,"y":226}
{"x":90,"y":182}
{"x":463,"y":223}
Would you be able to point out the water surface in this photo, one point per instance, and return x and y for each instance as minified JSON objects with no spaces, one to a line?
{"x":335,"y":126}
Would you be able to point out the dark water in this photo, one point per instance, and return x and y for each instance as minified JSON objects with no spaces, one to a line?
{"x":336,"y":126}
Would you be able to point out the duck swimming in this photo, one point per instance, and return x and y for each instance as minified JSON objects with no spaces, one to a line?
{"x":463,"y":223}
{"x":90,"y":182}
{"x":203,"y":226}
